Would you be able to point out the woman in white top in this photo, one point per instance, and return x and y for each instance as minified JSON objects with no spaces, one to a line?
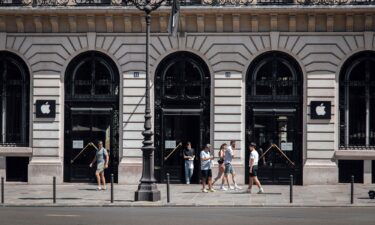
{"x":221,"y":167}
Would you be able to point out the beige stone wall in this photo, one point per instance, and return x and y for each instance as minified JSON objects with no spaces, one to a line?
{"x":227,"y":40}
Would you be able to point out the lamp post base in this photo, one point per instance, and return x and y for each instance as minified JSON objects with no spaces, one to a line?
{"x":147,"y":192}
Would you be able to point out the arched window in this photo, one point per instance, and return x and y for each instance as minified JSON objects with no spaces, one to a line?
{"x":357,"y":101}
{"x":91,"y":75}
{"x":183,"y":77}
{"x":274,"y":77}
{"x":14,"y":102}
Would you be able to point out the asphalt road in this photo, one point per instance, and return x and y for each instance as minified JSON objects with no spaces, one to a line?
{"x":185,"y":216}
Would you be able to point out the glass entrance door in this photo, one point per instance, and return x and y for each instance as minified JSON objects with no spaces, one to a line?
{"x":179,"y":129}
{"x":278,"y":139}
{"x":87,"y":126}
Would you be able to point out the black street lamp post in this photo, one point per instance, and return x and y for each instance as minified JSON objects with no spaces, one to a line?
{"x":147,"y":189}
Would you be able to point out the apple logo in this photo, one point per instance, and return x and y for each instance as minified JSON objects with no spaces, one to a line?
{"x":320,"y":110}
{"x":45,"y":108}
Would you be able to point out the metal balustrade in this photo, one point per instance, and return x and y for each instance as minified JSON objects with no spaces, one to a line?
{"x":38,"y":3}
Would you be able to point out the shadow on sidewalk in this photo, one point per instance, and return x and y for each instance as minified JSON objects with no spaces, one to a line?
{"x":30,"y":198}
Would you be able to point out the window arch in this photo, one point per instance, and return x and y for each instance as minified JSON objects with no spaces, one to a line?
{"x":90,"y":76}
{"x":14,"y":100}
{"x":274,"y":76}
{"x":182,"y":76}
{"x":357,"y":101}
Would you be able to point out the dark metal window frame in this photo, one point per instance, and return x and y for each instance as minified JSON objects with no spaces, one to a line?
{"x":258,"y":64}
{"x":182,"y":104}
{"x":7,"y":58}
{"x":71,"y":82}
{"x":276,"y":104}
{"x":367,"y":57}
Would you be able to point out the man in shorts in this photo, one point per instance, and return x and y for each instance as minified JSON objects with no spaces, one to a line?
{"x":253,"y":164}
{"x":206,"y":171}
{"x":228,"y":157}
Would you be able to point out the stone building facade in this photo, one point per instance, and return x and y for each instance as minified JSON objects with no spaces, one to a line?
{"x":237,"y":70}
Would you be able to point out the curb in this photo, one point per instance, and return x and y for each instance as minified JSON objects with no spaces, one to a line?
{"x":171,"y":205}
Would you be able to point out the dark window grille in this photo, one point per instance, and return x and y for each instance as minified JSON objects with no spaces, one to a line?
{"x":91,"y":76}
{"x":14,"y":101}
{"x":274,"y":78}
{"x":357,"y":129}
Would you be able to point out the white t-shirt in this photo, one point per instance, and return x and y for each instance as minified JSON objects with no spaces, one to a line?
{"x":205,"y":164}
{"x":254,"y":155}
{"x":228,"y":155}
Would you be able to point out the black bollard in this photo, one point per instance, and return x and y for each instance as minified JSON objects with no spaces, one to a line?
{"x":168,"y":194}
{"x":291,"y":189}
{"x":54,"y":189}
{"x":2,"y":190}
{"x":112,"y":188}
{"x":352,"y":190}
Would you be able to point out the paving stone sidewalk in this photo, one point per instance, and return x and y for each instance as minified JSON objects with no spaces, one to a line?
{"x":188,"y":195}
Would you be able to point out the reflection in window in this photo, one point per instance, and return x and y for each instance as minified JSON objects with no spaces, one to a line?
{"x":274,"y":76}
{"x":183,"y":78}
{"x":14,"y":86}
{"x":357,"y":111}
{"x":92,"y":74}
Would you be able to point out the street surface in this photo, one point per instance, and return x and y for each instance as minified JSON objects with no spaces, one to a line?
{"x":185,"y":216}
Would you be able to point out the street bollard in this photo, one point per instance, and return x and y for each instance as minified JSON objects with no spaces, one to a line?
{"x":352,"y":190}
{"x":291,"y":189}
{"x":112,"y":188}
{"x":54,"y":189}
{"x":168,"y":194}
{"x":2,"y":190}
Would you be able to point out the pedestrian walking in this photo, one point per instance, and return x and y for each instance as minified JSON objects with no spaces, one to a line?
{"x":253,"y":164}
{"x":206,"y":171}
{"x":221,"y":167}
{"x":189,"y":156}
{"x":228,"y":157}
{"x":102,"y":160}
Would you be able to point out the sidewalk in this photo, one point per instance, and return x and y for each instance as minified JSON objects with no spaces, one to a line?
{"x":189,"y":195}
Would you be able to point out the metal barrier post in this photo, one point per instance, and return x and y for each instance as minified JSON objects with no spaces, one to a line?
{"x":112,"y":188}
{"x":54,"y":189}
{"x":291,"y":189}
{"x":352,"y":190}
{"x":168,"y":194}
{"x":2,"y":190}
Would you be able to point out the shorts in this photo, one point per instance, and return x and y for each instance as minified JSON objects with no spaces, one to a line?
{"x":206,"y":173}
{"x":100,"y":167}
{"x":254,"y":173}
{"x":228,"y":169}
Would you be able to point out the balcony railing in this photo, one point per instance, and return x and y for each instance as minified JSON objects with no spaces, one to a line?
{"x":37,"y":3}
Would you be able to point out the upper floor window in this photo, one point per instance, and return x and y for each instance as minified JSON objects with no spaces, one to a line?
{"x":274,"y":76}
{"x":14,"y":101}
{"x":91,"y":75}
{"x":357,"y":101}
{"x":182,"y":77}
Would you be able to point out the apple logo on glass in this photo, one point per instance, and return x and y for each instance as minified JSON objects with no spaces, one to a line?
{"x":320,"y":110}
{"x":45,"y":108}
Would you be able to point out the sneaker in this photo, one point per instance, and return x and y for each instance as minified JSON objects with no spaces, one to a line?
{"x":261,"y":191}
{"x":204,"y":190}
{"x":104,"y":188}
{"x":98,"y":188}
{"x":223,"y":188}
{"x":211,"y":190}
{"x":236,"y":187}
{"x":231,"y":187}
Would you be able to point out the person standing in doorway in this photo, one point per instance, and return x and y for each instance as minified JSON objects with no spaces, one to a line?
{"x":102,"y":160}
{"x":253,"y":164}
{"x":228,"y":157}
{"x":189,"y":155}
{"x":206,"y":171}
{"x":221,"y":167}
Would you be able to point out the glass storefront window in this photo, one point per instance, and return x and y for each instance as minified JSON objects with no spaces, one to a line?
{"x":357,"y":116}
